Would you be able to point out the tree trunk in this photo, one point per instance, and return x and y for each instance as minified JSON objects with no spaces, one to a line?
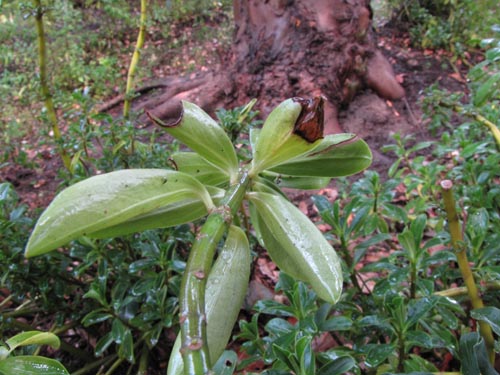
{"x":286,"y":48}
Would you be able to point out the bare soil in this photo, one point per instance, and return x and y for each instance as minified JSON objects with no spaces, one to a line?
{"x":372,"y":118}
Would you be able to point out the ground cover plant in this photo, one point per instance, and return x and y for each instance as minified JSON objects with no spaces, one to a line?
{"x":406,"y":304}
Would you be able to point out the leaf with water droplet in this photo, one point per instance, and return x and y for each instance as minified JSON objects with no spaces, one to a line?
{"x":296,"y":245}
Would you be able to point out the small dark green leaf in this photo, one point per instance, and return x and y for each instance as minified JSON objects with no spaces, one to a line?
{"x":337,"y":323}
{"x":376,"y":354}
{"x":338,"y":366}
{"x":490,"y":315}
{"x":104,"y":343}
{"x":473,"y":356}
{"x":118,"y":331}
{"x":306,"y":356}
{"x":278,"y":327}
{"x":126,"y":349}
{"x":94,"y":317}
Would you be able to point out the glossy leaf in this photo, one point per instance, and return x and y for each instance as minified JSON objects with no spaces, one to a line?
{"x":337,"y":155}
{"x":174,"y":214}
{"x":377,"y":353}
{"x":490,"y":315}
{"x":197,"y":130}
{"x":473,"y":355}
{"x":33,"y":338}
{"x":226,"y":288}
{"x":31,"y":365}
{"x":103,"y":343}
{"x":303,"y":183}
{"x":226,"y":364}
{"x":110,"y":199}
{"x":196,"y":166}
{"x":277,"y":142}
{"x":338,"y":366}
{"x":296,"y":245}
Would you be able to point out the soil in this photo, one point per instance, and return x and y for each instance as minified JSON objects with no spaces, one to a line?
{"x":375,"y":120}
{"x":369,"y":116}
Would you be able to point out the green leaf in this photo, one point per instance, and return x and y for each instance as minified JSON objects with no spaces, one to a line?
{"x":337,"y":323}
{"x":490,"y":315}
{"x":338,"y":366}
{"x":337,"y":155}
{"x":126,"y":349}
{"x":377,"y":353}
{"x":110,"y":199}
{"x":277,"y":143}
{"x":486,"y":90}
{"x":296,"y":245}
{"x":306,"y":356}
{"x":103,"y":343}
{"x":226,"y":364}
{"x":473,"y":355}
{"x":225,"y":291}
{"x":303,"y":183}
{"x":196,"y":166}
{"x":174,"y":214}
{"x":197,"y":130}
{"x":33,"y":338}
{"x":96,"y":316}
{"x":31,"y":365}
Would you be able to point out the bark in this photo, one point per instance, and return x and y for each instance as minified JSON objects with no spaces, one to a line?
{"x":287,"y":48}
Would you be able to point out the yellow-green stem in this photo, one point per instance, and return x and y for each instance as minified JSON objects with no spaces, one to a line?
{"x":463,"y":263}
{"x":482,"y":120}
{"x":194,"y":347}
{"x":44,"y":86}
{"x":135,"y":59}
{"x":462,"y":290}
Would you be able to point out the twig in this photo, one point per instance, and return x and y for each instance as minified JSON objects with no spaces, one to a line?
{"x":463,"y":263}
{"x":47,"y":97}
{"x":135,"y":59}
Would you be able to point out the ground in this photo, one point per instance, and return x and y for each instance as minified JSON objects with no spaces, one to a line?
{"x":370,"y":117}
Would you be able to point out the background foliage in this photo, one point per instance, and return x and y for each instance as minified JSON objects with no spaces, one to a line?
{"x":114,"y":302}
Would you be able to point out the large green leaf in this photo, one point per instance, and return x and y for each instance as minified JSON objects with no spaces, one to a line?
{"x":296,"y":245}
{"x":31,"y":365}
{"x":197,"y":130}
{"x":196,"y":166}
{"x":337,"y":155}
{"x":110,"y":199}
{"x":176,"y":213}
{"x":277,"y":142}
{"x":225,"y":291}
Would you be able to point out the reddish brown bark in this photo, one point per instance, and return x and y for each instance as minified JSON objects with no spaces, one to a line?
{"x":286,"y":48}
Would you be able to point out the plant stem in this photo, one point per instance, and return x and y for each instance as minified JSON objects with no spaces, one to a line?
{"x":143,"y":362}
{"x":135,"y":59}
{"x":462,"y":290}
{"x":463,"y":263}
{"x":192,"y":296}
{"x":479,"y":118}
{"x":46,"y":95}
